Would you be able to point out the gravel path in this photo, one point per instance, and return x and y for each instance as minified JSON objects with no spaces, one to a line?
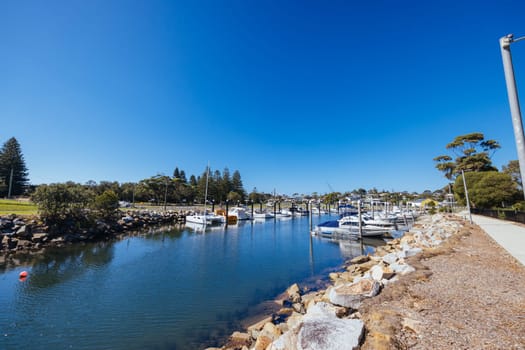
{"x":467,"y":294}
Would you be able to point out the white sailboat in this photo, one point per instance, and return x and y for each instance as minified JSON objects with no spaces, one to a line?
{"x":205,"y":218}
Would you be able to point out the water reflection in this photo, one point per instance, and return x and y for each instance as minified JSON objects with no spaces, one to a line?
{"x":59,"y":265}
{"x":165,"y":288}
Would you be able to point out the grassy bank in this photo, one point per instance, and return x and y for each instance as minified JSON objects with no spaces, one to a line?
{"x":17,"y":207}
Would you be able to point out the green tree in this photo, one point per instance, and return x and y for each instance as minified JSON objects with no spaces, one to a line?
{"x":237,"y":184}
{"x":183,"y":177}
{"x":513,"y":169}
{"x":59,"y":202}
{"x":473,"y":153}
{"x":256,"y":197}
{"x":234,"y":197}
{"x":13,"y":170}
{"x":106,"y":204}
{"x":176,"y":173}
{"x":486,"y":189}
{"x":226,"y":183}
{"x":331,"y":197}
{"x":193,"y":181}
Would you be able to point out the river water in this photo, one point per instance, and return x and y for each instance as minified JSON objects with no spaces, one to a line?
{"x":174,"y":288}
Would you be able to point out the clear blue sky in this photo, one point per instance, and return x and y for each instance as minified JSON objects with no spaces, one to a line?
{"x":300,"y":96}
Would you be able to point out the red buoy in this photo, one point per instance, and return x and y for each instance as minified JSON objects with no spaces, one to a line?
{"x":23,"y":274}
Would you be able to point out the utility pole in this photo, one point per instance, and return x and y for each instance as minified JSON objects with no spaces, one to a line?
{"x":165,"y":193}
{"x":514,"y":103}
{"x":466,"y":195}
{"x":10,"y":184}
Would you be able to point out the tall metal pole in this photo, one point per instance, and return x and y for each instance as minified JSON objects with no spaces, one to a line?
{"x":466,"y":195}
{"x":359,"y":217}
{"x":165,"y":193}
{"x":514,"y":103}
{"x":10,"y":184}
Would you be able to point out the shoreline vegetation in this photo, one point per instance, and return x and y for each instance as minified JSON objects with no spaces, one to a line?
{"x":372,"y":304}
{"x":28,"y":234}
{"x":23,"y":232}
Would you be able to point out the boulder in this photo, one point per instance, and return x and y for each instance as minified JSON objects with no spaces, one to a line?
{"x":259,"y":325}
{"x":294,"y":293}
{"x":402,"y":269}
{"x":320,"y":329}
{"x":12,"y":243}
{"x":39,"y":237}
{"x":390,"y":258}
{"x":352,"y":294}
{"x":380,"y":272}
{"x":238,"y":340}
{"x":360,"y":259}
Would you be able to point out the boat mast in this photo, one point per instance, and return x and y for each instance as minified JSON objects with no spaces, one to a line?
{"x":206,"y":191}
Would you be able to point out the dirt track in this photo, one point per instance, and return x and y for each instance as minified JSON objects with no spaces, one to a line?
{"x":467,"y":294}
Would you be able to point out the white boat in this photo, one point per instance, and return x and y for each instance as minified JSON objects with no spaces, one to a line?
{"x":317,"y":211}
{"x":299,"y":211}
{"x":283,"y":213}
{"x":239,"y":212}
{"x":206,"y":218}
{"x":380,"y":222}
{"x":198,"y":227}
{"x":348,"y":226}
{"x":262,"y":215}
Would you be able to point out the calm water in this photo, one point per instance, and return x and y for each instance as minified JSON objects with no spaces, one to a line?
{"x":174,"y":289}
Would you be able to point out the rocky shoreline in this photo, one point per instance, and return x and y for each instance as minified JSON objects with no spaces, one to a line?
{"x":331,"y":318}
{"x":29,"y":235}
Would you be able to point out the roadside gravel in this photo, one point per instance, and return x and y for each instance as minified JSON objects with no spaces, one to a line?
{"x":468,"y":293}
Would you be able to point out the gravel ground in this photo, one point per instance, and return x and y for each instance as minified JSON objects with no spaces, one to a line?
{"x":467,"y":294}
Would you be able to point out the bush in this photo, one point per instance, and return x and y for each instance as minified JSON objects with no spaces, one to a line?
{"x":106,"y":203}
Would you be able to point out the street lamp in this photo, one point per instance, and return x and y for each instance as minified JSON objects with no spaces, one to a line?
{"x":514,"y":103}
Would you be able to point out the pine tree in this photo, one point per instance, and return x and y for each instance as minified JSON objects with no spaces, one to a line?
{"x":183,"y":177}
{"x":13,"y":169}
{"x":237,"y":184}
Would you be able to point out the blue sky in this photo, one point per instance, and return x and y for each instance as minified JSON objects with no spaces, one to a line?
{"x":300,"y":96}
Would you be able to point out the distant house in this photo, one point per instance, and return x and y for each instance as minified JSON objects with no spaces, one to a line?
{"x":417,"y":203}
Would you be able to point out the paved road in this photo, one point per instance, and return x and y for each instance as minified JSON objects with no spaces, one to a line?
{"x":509,"y":235}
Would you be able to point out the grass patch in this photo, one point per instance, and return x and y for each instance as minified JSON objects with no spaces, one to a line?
{"x":13,"y":206}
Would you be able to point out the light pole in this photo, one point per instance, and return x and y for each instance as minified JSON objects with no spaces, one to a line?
{"x":466,"y":195}
{"x":514,"y":103}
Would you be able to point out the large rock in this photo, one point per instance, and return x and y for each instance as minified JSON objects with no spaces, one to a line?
{"x":266,"y":335}
{"x":24,"y":232}
{"x":360,"y":259}
{"x":380,"y":272}
{"x":39,"y":237}
{"x":294,"y":293}
{"x":390,"y":258}
{"x":402,"y":269}
{"x":238,"y":340}
{"x":352,"y":294}
{"x":320,"y":329}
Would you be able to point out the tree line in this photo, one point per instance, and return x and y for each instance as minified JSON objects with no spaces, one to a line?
{"x":471,"y":156}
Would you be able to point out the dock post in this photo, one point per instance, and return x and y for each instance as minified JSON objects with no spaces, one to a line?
{"x":310,"y":215}
{"x":227,"y":202}
{"x":359,"y":218}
